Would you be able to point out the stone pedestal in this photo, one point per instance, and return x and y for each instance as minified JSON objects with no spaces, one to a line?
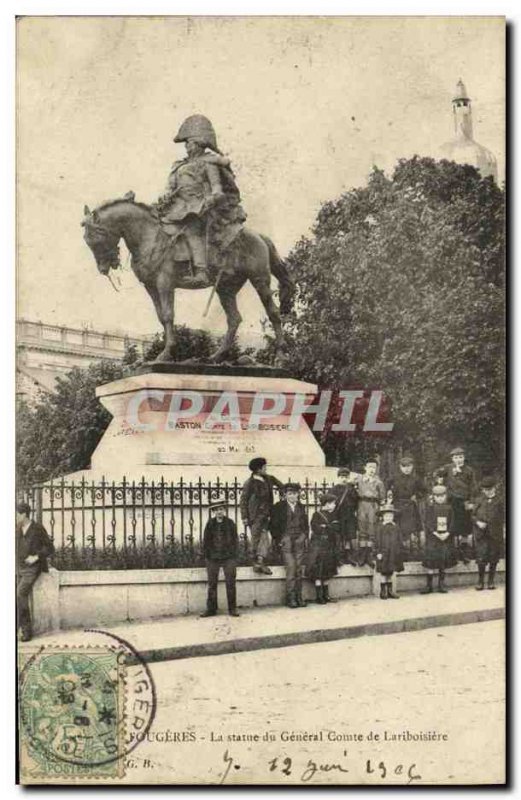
{"x":202,"y":424}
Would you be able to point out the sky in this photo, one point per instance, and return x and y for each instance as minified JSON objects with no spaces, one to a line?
{"x":303,"y":106}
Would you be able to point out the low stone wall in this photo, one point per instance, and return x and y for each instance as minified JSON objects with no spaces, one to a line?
{"x":80,"y":599}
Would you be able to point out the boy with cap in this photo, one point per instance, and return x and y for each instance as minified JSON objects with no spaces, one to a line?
{"x":389,"y":557}
{"x":345,"y":512}
{"x":462,"y":488}
{"x":323,"y":547}
{"x":290,"y":530}
{"x":220,"y":549}
{"x":407,"y":490}
{"x":488,"y":518}
{"x":439,"y":552}
{"x":33,"y":548}
{"x":371,"y":494}
{"x":256,"y":506}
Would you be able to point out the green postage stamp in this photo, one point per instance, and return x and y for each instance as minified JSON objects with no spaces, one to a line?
{"x":71,"y":713}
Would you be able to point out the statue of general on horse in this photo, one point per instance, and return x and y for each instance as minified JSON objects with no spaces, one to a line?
{"x":202,"y":201}
{"x":193,"y":238}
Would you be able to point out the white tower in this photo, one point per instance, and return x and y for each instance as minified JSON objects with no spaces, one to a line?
{"x":462,"y":148}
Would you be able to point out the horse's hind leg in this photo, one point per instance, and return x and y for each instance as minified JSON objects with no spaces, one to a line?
{"x":263,"y":288}
{"x":228,"y":296}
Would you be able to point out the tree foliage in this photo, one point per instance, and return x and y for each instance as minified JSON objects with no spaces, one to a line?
{"x":59,"y":432}
{"x":402,"y":287}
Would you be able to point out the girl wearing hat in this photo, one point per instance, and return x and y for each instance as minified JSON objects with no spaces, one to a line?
{"x":439,"y":549}
{"x":488,"y":518}
{"x":389,"y":546}
{"x":323,"y":548}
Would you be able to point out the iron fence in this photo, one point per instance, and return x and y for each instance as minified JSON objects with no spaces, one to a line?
{"x":138,"y":524}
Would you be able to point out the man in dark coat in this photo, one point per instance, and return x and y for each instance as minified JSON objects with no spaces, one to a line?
{"x":346,"y":495}
{"x":33,"y":548}
{"x":256,"y":506}
{"x":290,"y":530}
{"x":462,"y":489}
{"x":407,"y":491}
{"x":220,"y":549}
{"x":488,"y":518}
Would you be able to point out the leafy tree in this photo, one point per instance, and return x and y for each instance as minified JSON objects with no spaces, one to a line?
{"x":401,"y":287}
{"x":58,"y":434}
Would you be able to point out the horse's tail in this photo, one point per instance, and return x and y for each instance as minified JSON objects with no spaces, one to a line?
{"x":279,"y":269}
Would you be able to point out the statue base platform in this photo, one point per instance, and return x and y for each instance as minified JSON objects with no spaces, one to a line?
{"x":147,"y":434}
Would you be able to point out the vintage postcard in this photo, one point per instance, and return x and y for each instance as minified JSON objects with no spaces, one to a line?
{"x":260,"y":520}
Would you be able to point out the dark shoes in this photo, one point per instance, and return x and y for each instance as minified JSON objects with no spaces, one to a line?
{"x":319,"y":593}
{"x":383,"y":591}
{"x":428,"y":588}
{"x":292,"y":603}
{"x":390,"y":594}
{"x":233,"y":613}
{"x":208,"y":613}
{"x":480,"y":587}
{"x":327,"y":598}
{"x":26,"y":636}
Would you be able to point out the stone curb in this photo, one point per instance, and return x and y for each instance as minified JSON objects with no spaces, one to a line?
{"x":321,"y":635}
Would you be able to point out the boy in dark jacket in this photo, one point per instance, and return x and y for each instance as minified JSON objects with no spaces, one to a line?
{"x":462,"y":489}
{"x":290,"y":529}
{"x":407,"y":492}
{"x":220,"y":548}
{"x":33,"y":548}
{"x":256,"y":506}
{"x":322,"y":559}
{"x":488,"y":518}
{"x":345,"y":512}
{"x":389,"y":557}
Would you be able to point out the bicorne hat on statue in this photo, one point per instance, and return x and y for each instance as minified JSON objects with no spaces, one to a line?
{"x":199,"y":128}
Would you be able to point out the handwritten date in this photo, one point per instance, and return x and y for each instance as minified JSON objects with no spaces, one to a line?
{"x":286,"y":766}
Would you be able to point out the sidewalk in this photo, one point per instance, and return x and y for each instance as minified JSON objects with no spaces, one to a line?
{"x":192,"y":637}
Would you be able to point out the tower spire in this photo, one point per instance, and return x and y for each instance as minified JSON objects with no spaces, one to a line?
{"x":462,"y":112}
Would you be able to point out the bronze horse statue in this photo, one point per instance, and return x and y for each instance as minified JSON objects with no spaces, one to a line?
{"x":251,"y":256}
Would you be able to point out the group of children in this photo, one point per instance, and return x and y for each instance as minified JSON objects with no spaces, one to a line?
{"x":361,"y":522}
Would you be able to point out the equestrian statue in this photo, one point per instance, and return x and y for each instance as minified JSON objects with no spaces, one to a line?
{"x":193,"y":238}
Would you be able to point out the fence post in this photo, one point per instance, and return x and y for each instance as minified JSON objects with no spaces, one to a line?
{"x":38,"y":503}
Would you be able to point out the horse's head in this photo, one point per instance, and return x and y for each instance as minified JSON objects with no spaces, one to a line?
{"x":102,"y":240}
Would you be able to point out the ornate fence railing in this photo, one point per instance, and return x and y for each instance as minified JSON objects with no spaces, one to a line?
{"x":137,"y":524}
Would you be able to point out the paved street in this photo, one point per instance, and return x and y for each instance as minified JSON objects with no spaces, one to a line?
{"x":442,"y":684}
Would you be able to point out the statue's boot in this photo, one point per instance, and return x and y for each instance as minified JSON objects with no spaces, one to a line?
{"x":200,"y":279}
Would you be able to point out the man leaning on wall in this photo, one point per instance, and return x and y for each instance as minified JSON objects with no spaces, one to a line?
{"x":33,"y":548}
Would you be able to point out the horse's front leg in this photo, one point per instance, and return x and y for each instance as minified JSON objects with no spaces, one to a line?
{"x":162,"y":293}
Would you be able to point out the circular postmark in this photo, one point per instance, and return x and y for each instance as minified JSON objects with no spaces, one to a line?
{"x":89,"y":705}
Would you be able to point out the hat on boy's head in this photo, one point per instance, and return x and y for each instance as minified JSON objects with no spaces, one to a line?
{"x":386,"y":507}
{"x":406,"y":460}
{"x":457,"y":451}
{"x":257,"y":463}
{"x":24,"y":508}
{"x":326,"y":498}
{"x":488,"y":482}
{"x":370,"y":460}
{"x":343,"y":471}
{"x":220,"y":502}
{"x":292,"y":487}
{"x":439,"y":490}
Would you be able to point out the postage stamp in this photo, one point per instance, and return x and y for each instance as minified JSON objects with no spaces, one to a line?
{"x":72,"y":713}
